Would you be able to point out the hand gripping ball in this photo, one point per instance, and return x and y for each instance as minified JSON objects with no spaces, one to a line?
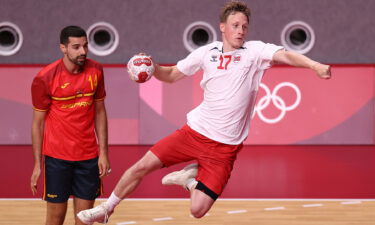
{"x":140,"y":68}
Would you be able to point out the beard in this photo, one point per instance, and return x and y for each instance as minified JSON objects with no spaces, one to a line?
{"x":79,"y":60}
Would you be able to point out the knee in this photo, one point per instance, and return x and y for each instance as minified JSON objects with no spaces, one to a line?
{"x":140,"y":169}
{"x":198,"y":211}
{"x":145,"y":165}
{"x":56,"y":213}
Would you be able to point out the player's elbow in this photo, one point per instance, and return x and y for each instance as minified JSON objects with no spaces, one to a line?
{"x":170,"y":80}
{"x":165,"y":79}
{"x":284,"y":57}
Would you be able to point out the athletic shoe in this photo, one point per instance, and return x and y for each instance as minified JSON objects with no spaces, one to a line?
{"x":180,"y":177}
{"x":98,"y":214}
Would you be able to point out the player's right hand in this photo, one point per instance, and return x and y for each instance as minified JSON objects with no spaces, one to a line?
{"x":323,"y":71}
{"x":34,"y":179}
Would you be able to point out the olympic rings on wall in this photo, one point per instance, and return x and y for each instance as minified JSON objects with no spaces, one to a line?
{"x":277,"y":101}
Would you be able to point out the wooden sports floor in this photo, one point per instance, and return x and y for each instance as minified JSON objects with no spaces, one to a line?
{"x":224,"y":212}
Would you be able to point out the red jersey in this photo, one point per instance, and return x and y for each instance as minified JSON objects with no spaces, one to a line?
{"x":68,"y":99}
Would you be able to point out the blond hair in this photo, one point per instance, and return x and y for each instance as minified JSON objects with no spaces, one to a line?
{"x":232,"y":7}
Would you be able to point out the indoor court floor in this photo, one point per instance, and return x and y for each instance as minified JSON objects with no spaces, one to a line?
{"x":323,"y":185}
{"x":224,"y":212}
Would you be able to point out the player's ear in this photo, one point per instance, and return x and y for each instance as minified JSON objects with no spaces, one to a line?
{"x":63,"y":48}
{"x":222,"y":26}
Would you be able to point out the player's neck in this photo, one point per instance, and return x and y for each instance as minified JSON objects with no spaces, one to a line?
{"x":228,"y":47}
{"x":71,"y":67}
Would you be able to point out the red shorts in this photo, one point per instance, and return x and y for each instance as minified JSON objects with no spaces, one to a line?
{"x":215,"y":159}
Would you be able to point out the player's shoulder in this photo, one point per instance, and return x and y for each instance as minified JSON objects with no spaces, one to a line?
{"x":216,"y":45}
{"x":51,"y":66}
{"x":49,"y":70}
{"x":254,"y":44}
{"x":259,"y":45}
{"x":90,"y":63}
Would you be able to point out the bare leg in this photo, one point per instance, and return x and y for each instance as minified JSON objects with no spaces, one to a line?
{"x":79,"y":205}
{"x":200,"y":203}
{"x":56,"y":213}
{"x":133,"y":176}
{"x":126,"y":185}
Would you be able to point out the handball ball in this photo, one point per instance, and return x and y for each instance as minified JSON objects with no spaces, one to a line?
{"x":140,"y":68}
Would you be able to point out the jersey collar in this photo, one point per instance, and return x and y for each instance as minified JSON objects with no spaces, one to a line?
{"x":220,"y":47}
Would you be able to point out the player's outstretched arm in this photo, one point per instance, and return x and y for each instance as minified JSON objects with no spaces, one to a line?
{"x":298,"y":60}
{"x":169,"y":74}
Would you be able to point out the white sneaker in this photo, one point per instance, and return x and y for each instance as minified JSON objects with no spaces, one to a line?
{"x":98,"y":214}
{"x":180,"y":177}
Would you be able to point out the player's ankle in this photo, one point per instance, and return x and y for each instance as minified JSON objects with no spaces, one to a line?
{"x":113,"y":201}
{"x":191,"y":183}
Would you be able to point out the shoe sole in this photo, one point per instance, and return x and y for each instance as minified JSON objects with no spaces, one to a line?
{"x":168,"y":179}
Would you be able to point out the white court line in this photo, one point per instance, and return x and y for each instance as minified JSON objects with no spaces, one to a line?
{"x":162,"y":219}
{"x":312,"y":205}
{"x":351,"y":202}
{"x":237,"y":211}
{"x":128,"y":222}
{"x":275,"y":208}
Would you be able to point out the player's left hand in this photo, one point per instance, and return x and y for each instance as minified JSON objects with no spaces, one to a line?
{"x":104,"y":165}
{"x":323,"y":71}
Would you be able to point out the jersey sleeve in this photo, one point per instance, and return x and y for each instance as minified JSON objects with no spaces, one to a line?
{"x":100,"y":92}
{"x":266,"y":54}
{"x":193,"y":62}
{"x":40,"y":96}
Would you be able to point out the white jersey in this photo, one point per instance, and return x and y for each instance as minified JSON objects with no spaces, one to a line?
{"x":230,"y":83}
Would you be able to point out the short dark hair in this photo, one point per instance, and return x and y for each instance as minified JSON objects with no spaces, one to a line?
{"x":232,"y":7}
{"x":71,"y":31}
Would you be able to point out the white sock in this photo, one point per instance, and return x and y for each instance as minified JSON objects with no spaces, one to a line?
{"x":191,"y":183}
{"x":113,"y":201}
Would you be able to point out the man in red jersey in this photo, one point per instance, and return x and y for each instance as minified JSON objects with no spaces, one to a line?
{"x":69,"y":117}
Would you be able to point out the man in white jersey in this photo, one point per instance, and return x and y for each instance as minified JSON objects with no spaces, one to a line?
{"x":215,"y":129}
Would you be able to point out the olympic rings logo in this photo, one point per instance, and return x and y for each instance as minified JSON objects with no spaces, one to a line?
{"x":277,"y":101}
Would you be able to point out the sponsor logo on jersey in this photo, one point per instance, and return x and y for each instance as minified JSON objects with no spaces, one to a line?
{"x":76,"y":104}
{"x":64,"y":85}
